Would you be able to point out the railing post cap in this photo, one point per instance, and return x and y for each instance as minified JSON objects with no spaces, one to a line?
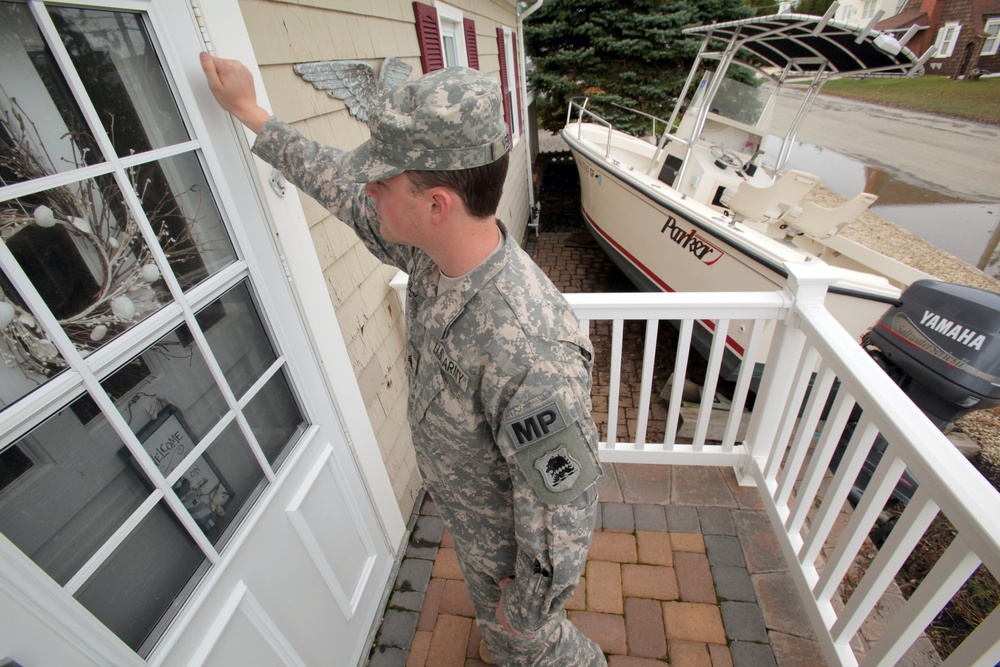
{"x":809,"y":280}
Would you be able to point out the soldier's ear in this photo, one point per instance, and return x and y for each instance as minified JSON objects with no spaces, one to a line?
{"x":442,"y":202}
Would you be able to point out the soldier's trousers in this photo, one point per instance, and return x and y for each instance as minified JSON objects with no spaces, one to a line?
{"x":557,"y":643}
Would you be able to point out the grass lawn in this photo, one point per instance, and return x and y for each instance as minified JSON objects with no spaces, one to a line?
{"x":975,"y":100}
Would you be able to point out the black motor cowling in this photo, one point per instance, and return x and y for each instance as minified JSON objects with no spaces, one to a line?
{"x":945,"y":338}
{"x":941,"y":345}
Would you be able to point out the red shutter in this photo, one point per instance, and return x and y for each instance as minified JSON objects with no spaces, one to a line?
{"x":429,"y":37}
{"x":502,"y":54}
{"x":470,"y":43}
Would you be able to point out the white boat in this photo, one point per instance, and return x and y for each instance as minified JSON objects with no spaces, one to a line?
{"x":705,"y":204}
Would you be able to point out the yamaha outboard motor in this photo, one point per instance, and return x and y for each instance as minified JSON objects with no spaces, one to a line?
{"x":941,"y":345}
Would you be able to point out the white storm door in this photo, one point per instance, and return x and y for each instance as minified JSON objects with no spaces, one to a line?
{"x":175,"y":485}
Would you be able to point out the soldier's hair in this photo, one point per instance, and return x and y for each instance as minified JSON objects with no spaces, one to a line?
{"x":479,"y":188}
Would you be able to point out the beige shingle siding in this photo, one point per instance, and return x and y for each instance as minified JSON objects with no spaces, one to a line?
{"x":284,"y":33}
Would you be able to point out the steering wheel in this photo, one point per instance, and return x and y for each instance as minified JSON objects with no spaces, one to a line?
{"x":722,"y":155}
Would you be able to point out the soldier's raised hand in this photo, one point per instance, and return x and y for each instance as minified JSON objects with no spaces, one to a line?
{"x":232,"y":85}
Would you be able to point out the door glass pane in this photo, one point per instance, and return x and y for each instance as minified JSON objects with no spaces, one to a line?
{"x":80,"y":245}
{"x":29,"y":355}
{"x":42,"y":131}
{"x":274,"y":417}
{"x":72,"y":487}
{"x":182,"y":211}
{"x":122,"y":74}
{"x":179,"y":384}
{"x":221,"y":483}
{"x":239,"y":342}
{"x":143,"y":582}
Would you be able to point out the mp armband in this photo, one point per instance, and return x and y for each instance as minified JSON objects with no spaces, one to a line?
{"x":551,"y":453}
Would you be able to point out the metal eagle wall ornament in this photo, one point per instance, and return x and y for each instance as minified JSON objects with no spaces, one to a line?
{"x":353,"y":81}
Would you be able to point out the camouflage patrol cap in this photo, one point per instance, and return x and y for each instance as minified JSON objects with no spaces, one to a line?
{"x":443,"y":121}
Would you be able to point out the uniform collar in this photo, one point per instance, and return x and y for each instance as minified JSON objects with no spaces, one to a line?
{"x":440,"y":311}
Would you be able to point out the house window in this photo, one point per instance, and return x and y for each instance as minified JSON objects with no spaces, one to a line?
{"x":446,"y":37}
{"x":992,"y":43}
{"x":869,"y":9}
{"x":509,"y":79}
{"x":947,"y":38}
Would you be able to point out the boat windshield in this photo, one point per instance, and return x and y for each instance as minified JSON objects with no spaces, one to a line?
{"x":735,"y":100}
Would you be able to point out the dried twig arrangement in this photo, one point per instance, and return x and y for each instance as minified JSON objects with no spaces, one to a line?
{"x":106,"y":233}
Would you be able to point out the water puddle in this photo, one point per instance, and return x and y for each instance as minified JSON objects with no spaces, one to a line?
{"x":957,"y":224}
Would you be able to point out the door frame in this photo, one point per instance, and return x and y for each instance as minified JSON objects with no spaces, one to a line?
{"x":226,"y":33}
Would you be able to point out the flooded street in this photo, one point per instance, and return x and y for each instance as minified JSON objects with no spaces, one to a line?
{"x":963,"y":225}
{"x":935,"y":177}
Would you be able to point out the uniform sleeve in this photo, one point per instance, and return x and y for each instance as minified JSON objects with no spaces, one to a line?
{"x":548,"y":438}
{"x":315,"y":169}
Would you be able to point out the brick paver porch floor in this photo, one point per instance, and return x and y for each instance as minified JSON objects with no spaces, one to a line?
{"x":684,"y":569}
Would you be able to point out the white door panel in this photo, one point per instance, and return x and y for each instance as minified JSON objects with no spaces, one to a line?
{"x":336,"y":541}
{"x":247,"y":637}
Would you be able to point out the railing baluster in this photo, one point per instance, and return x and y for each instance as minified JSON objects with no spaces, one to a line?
{"x":947,"y":576}
{"x":818,"y":463}
{"x":836,"y":493}
{"x":805,"y":435}
{"x":803,"y":378}
{"x":677,"y":388}
{"x":646,"y":385}
{"x":614,"y":388}
{"x":743,"y":381}
{"x":799,"y":385}
{"x":981,"y":648}
{"x":905,"y":535}
{"x":862,"y":519}
{"x":711,"y":382}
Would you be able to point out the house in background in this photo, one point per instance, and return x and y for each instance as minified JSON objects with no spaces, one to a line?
{"x":204,"y":454}
{"x":965,"y":34}
{"x":860,"y":12}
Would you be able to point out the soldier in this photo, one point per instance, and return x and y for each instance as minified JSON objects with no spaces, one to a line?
{"x":499,"y":372}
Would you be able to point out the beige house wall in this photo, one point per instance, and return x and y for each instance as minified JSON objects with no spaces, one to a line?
{"x":284,"y":33}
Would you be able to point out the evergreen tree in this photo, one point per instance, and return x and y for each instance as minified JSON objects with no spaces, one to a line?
{"x":630,"y":53}
{"x":815,"y":7}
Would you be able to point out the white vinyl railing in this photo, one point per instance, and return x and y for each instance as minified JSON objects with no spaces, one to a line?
{"x":814,"y":376}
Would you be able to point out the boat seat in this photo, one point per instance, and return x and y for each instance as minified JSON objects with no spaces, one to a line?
{"x":822,"y":222}
{"x":769,"y":203}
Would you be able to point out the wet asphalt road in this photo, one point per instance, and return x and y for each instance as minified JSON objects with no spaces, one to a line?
{"x":962,"y":156}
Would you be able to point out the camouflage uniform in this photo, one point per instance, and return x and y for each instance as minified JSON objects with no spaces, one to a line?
{"x":499,"y":406}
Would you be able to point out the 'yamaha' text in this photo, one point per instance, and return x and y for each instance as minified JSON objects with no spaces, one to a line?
{"x":953,"y":330}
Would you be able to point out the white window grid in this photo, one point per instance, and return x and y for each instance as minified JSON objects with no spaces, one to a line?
{"x":451,"y":24}
{"x":947,"y":38}
{"x":86,"y":373}
{"x":992,"y":43}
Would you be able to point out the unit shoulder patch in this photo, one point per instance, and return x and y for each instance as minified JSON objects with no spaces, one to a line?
{"x":552,"y":453}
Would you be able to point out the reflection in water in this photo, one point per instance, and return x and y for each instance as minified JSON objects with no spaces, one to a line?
{"x":963,"y":227}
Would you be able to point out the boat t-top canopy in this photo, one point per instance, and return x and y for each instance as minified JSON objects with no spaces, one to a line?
{"x":803,"y":45}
